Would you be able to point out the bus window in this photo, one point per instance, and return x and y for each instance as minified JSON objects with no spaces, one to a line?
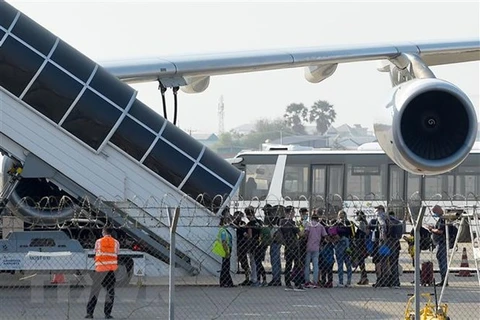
{"x":335,"y":182}
{"x":318,"y":183}
{"x":319,"y":177}
{"x":439,"y":187}
{"x":467,"y":182}
{"x":413,"y":186}
{"x":257,"y":181}
{"x":396,"y":183}
{"x":250,"y":188}
{"x":366,"y":182}
{"x":334,"y":200}
{"x":295,"y":182}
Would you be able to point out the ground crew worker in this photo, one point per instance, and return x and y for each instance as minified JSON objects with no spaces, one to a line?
{"x":106,"y":262}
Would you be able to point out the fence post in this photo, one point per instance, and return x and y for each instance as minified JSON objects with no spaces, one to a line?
{"x":416,"y":238}
{"x":171,"y":271}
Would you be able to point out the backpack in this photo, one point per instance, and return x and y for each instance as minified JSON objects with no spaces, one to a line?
{"x":346,"y":229}
{"x":395,"y":228}
{"x":218,"y":246}
{"x":452,"y":235}
{"x":426,"y":242}
{"x":265,"y":236}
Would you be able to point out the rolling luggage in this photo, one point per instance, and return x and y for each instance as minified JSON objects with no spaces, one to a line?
{"x":426,"y":274}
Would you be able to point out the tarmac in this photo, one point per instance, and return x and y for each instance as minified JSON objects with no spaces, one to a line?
{"x":33,"y":296}
{"x":201,"y":298}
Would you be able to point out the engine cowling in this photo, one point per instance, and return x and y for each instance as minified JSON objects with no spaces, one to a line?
{"x":38,"y":201}
{"x":428,"y":126}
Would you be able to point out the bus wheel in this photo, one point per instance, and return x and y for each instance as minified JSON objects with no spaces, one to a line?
{"x":124,"y":273}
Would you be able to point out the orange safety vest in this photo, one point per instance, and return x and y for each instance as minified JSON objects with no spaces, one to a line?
{"x":106,"y":254}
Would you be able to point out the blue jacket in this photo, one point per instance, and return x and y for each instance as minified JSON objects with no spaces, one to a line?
{"x":327,"y":253}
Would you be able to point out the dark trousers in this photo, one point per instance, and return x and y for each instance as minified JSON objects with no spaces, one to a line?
{"x":225,"y":277}
{"x":326,"y":273}
{"x":290,"y":257}
{"x":363,"y":271}
{"x":106,"y":280}
{"x":242,"y":251}
{"x":442,"y":259}
{"x":394,"y":262}
{"x":276,"y":263}
{"x":259,"y":257}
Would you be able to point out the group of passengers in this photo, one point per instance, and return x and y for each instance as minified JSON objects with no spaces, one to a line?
{"x":312,"y":245}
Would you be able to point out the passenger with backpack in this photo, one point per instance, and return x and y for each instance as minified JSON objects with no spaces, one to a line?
{"x":242,"y":245}
{"x":439,"y":240}
{"x":265,"y":242}
{"x":342,"y":248}
{"x":381,"y":251}
{"x":290,"y":233}
{"x":314,"y":233}
{"x":275,"y":246}
{"x":327,"y":257}
{"x":254,"y":227}
{"x":361,"y":252}
{"x":225,"y":238}
{"x":395,"y":232}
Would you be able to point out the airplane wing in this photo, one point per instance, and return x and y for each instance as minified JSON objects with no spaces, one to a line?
{"x":320,"y":62}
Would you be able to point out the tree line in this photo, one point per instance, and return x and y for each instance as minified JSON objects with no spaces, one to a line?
{"x":296,"y":116}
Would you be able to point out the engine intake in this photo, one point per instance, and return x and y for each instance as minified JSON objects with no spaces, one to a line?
{"x":428,"y":127}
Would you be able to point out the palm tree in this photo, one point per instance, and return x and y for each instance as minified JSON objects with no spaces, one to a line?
{"x":295,"y":114}
{"x":323,"y":114}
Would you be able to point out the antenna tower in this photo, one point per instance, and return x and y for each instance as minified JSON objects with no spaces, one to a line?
{"x":221,"y":115}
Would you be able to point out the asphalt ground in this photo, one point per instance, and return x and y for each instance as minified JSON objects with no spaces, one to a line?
{"x":32,"y":296}
{"x":202,"y":298}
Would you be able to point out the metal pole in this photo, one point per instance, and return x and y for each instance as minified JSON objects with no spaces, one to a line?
{"x":417,"y":226}
{"x":171,"y":278}
{"x":171,"y":269}
{"x":449,"y":261}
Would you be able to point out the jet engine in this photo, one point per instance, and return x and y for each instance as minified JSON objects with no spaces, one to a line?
{"x":38,"y":201}
{"x":428,"y":126}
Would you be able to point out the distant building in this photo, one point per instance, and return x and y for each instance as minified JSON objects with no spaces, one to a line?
{"x":341,"y":137}
{"x":208,"y":139}
{"x":304,"y":141}
{"x":244,"y":128}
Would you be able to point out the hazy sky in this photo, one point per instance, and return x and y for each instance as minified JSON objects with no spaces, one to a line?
{"x":106,"y":30}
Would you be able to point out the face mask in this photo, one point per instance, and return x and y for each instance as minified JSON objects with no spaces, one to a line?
{"x":435,"y":215}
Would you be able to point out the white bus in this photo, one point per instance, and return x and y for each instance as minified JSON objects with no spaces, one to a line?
{"x":349,"y":180}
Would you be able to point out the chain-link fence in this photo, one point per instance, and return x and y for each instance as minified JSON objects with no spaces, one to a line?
{"x":278,"y":262}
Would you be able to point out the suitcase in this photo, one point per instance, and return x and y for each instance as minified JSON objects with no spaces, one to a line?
{"x":426,"y":274}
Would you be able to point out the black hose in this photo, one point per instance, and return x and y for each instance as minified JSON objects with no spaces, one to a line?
{"x":175,"y":105}
{"x":164,"y":103}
